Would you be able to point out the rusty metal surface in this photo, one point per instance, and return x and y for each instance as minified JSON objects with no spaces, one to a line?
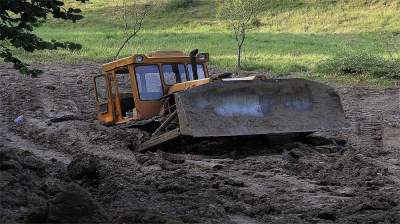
{"x":252,"y":107}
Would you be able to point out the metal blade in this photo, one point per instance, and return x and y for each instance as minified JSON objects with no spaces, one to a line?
{"x":255,"y":107}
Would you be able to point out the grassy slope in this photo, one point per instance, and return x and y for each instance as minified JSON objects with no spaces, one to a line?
{"x":295,"y":35}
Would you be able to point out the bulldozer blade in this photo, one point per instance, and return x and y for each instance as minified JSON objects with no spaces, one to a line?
{"x":258,"y":107}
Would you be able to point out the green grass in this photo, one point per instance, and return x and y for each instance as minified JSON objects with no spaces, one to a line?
{"x":295,"y":35}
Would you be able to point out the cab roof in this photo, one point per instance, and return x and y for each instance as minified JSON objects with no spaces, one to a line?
{"x":152,"y":57}
{"x":167,"y":54}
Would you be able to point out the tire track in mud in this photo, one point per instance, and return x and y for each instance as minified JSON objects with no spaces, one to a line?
{"x":375,"y":117}
{"x":10,"y":109}
{"x":370,"y":111}
{"x":18,"y":143}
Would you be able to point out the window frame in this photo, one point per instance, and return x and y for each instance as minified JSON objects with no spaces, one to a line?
{"x":188,"y":71}
{"x":117,"y":73}
{"x":137,"y":81}
{"x":172,"y":64}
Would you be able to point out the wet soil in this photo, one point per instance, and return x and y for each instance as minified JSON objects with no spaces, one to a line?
{"x":61,"y":165}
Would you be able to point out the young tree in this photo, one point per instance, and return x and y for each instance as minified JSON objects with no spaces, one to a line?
{"x":133,"y":15}
{"x":239,"y":14}
{"x":18,"y":19}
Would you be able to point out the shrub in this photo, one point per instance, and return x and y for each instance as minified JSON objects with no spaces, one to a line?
{"x":179,"y":4}
{"x":361,"y":63}
{"x":297,"y":68}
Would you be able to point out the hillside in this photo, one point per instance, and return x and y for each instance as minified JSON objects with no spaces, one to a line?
{"x":290,"y":36}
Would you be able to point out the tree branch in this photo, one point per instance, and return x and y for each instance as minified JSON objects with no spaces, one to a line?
{"x":139,"y":19}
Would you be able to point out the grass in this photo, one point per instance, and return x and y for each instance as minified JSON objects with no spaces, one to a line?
{"x":295,"y":35}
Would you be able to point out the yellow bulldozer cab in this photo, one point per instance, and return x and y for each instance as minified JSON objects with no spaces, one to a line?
{"x":132,"y":88}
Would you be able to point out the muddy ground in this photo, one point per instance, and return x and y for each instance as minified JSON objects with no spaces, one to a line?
{"x":60,"y":165}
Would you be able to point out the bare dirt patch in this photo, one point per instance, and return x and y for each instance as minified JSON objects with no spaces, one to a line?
{"x":60,"y":154}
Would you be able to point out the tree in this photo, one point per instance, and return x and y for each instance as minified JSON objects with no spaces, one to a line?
{"x":133,"y":15}
{"x":18,"y":19}
{"x":239,"y":14}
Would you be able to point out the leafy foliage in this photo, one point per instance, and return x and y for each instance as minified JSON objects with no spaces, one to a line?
{"x":18,"y":19}
{"x":179,"y":4}
{"x":239,"y":10}
{"x":361,"y":63}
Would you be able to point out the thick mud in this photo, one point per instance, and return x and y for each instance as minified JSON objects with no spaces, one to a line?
{"x":60,"y":165}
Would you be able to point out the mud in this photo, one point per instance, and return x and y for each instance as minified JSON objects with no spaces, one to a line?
{"x":60,"y":165}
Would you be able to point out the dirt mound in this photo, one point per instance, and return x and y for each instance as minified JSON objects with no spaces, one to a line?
{"x":72,"y":205}
{"x":26,"y":182}
{"x":84,"y":170}
{"x":143,"y":216}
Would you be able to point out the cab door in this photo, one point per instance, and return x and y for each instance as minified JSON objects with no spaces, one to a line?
{"x":125,"y":102}
{"x":104,"y":105}
{"x":149,"y":90}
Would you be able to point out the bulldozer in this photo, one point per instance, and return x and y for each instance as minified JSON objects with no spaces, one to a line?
{"x":172,"y":94}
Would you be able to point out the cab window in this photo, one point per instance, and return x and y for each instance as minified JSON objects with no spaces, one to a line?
{"x":124,"y":81}
{"x":200,"y":71}
{"x":174,"y":73}
{"x":149,"y":82}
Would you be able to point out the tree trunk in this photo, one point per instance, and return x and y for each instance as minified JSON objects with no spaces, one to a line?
{"x":239,"y":57}
{"x":240,"y":37}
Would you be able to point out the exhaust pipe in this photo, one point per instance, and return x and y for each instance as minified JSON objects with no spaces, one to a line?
{"x":193,"y":55}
